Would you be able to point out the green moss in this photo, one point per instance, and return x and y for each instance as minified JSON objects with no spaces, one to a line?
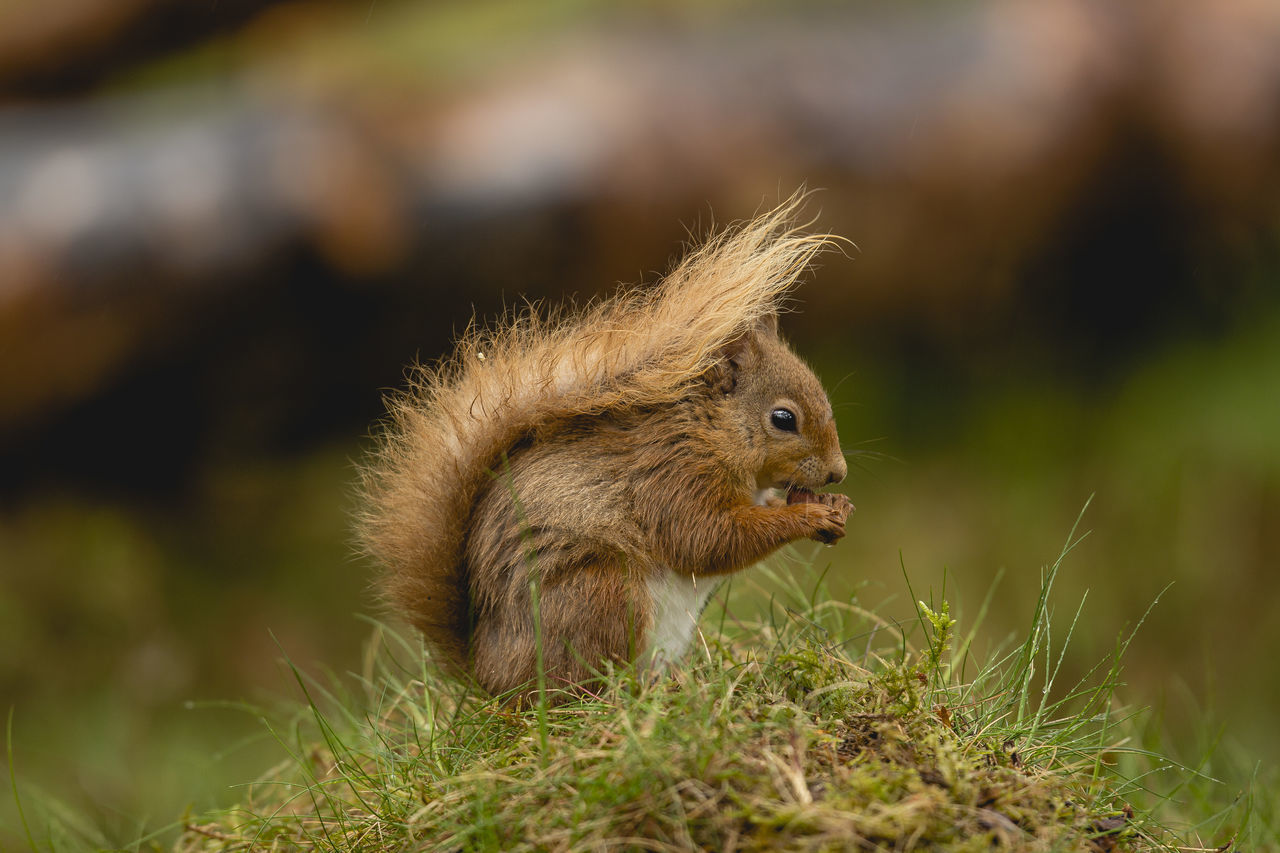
{"x":773,"y":739}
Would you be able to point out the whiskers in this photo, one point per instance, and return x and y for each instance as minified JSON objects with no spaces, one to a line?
{"x":859,"y":457}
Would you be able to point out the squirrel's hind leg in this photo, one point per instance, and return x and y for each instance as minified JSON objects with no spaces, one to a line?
{"x":588,"y":614}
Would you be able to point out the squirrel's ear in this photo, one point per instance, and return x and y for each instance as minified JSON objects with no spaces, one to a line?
{"x":768,"y":325}
{"x":733,"y":358}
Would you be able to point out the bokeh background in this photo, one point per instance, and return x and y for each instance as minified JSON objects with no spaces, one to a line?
{"x":226,"y":226}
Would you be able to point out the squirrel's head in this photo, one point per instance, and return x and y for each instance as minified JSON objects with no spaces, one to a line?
{"x":790,"y":430}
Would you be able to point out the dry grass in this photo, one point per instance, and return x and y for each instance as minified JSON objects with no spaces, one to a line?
{"x":816,"y":729}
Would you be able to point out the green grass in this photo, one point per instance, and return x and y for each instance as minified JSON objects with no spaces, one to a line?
{"x":816,"y":726}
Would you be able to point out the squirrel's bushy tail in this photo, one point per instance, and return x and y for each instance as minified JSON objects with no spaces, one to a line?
{"x":644,"y":346}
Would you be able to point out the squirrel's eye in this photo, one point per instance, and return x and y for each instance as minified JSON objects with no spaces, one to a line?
{"x":783,"y":419}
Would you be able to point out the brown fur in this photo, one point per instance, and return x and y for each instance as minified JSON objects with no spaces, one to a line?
{"x":587,"y":454}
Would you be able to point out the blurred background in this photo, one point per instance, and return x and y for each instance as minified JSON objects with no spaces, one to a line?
{"x":226,"y":226}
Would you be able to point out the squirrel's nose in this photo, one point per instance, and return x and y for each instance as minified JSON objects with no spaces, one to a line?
{"x":837,"y":473}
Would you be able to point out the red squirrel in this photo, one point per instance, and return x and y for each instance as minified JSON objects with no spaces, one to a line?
{"x":617,"y":463}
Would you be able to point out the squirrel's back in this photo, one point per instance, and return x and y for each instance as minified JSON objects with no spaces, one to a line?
{"x":555,"y":412}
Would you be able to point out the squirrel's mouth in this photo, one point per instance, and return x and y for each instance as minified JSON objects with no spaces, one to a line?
{"x":800,"y":495}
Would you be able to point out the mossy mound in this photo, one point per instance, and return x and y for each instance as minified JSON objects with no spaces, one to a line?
{"x":774,"y":737}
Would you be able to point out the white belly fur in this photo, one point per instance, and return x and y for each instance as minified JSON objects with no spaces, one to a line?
{"x":677,"y":602}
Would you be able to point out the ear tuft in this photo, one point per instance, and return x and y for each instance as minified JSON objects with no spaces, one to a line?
{"x":767,"y":325}
{"x":734,"y":357}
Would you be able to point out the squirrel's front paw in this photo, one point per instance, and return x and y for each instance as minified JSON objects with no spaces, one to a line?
{"x":837,"y":502}
{"x":829,"y":512}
